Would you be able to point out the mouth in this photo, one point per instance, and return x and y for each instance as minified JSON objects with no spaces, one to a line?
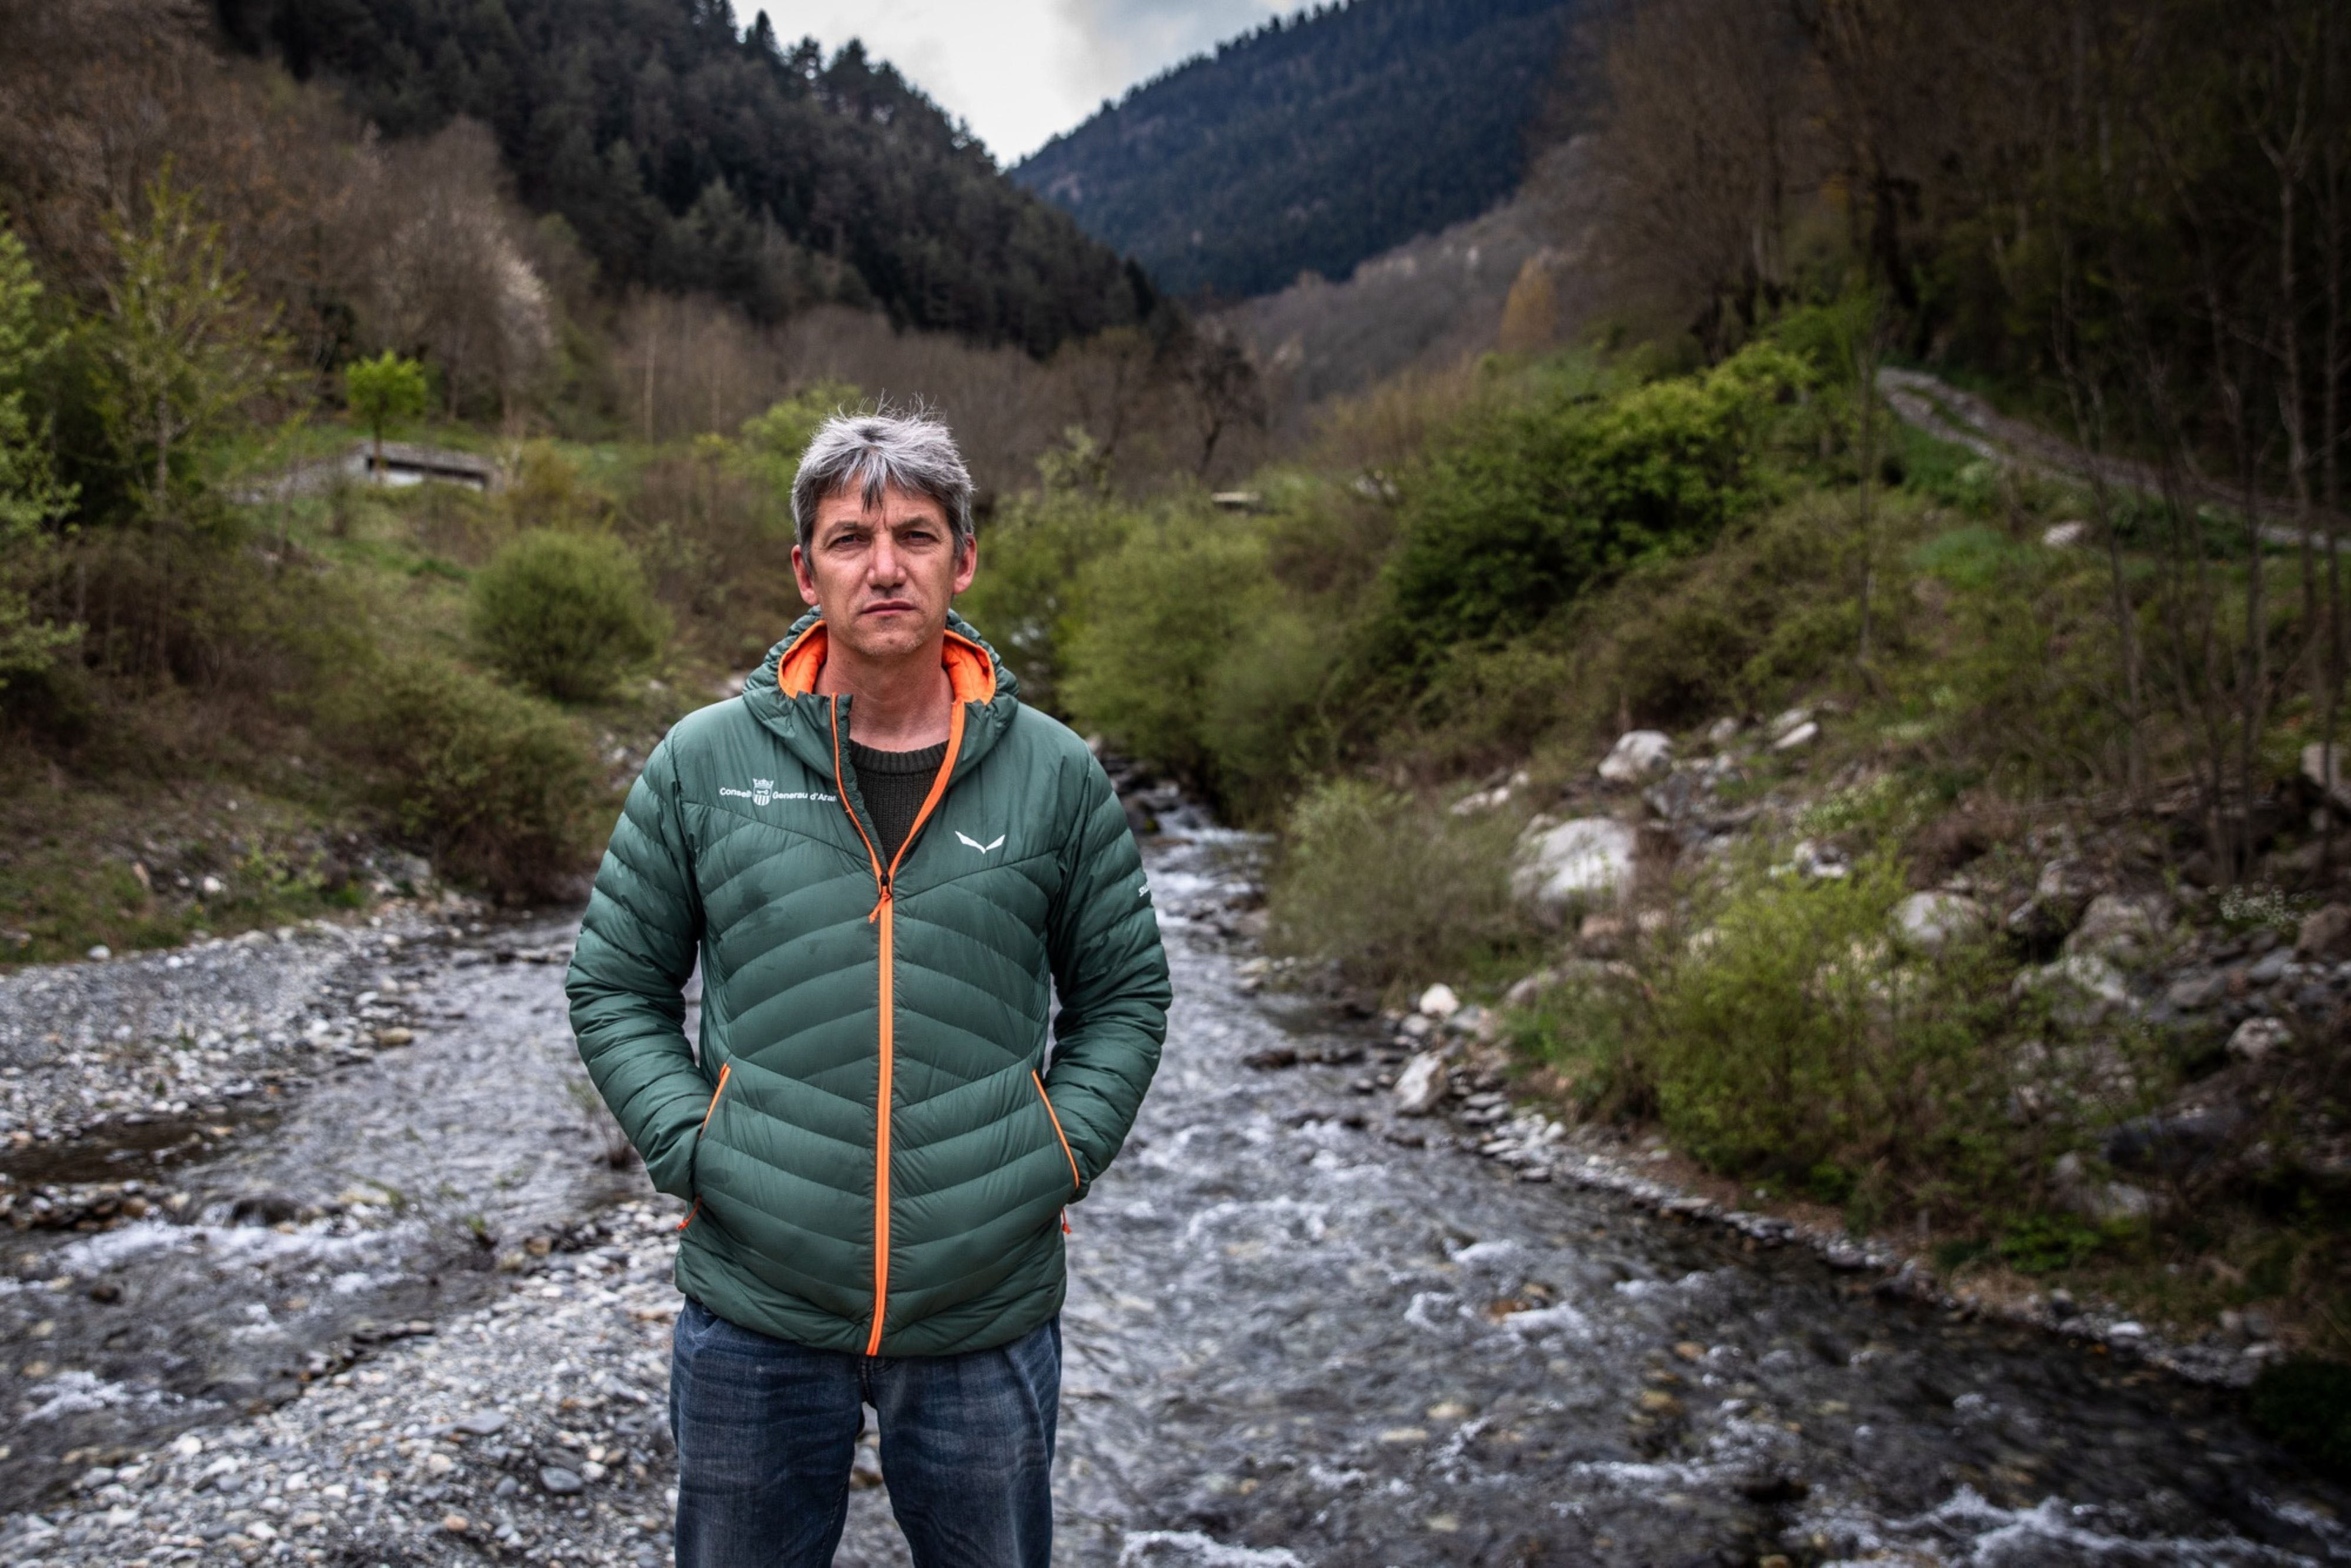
{"x":888,"y":607}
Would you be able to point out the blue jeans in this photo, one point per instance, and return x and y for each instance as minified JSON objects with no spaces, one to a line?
{"x":767,"y":1431}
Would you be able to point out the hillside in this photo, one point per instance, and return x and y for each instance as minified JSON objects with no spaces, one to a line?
{"x":688,"y":156}
{"x":1512,"y":277}
{"x":1312,"y":145}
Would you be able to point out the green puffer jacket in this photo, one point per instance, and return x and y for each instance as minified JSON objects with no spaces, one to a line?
{"x":876,"y":1152}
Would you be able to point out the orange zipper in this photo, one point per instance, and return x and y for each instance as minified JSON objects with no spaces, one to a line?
{"x":704,"y":1127}
{"x":1074,"y":1181}
{"x":883,"y":917}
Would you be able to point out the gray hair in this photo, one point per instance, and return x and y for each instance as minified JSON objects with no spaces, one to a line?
{"x":873,"y":452}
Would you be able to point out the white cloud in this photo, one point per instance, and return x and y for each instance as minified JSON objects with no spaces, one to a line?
{"x":1020,"y":71}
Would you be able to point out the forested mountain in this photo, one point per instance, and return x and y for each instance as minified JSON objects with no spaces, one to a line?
{"x":690,"y":154}
{"x":1311,"y":144}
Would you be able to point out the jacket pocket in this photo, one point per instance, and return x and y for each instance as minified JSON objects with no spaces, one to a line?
{"x":1076,"y":1181}
{"x":693,"y":1164}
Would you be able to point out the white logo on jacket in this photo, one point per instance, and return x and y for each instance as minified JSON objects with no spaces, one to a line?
{"x":974,"y":843}
{"x":763,"y":790}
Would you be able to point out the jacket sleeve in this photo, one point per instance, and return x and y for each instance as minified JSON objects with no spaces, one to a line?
{"x":1112,"y":973}
{"x":629,"y":971}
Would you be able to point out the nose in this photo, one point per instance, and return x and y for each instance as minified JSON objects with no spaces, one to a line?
{"x":883,"y":567}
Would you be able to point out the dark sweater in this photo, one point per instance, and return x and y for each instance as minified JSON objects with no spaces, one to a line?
{"x":893,"y":784}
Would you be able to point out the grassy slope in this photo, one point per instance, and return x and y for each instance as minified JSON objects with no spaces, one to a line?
{"x":112,"y":842}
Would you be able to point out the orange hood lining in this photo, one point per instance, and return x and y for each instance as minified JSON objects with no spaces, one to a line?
{"x":971,"y":673}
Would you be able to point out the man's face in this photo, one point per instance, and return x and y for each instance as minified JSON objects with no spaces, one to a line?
{"x":882,"y":576}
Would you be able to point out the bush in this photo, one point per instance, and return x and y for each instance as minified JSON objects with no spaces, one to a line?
{"x":1028,"y":598}
{"x":1518,"y":513}
{"x":501,"y":789}
{"x":1389,"y":888}
{"x":1791,"y":1033}
{"x":1164,"y":615}
{"x":566,"y":613}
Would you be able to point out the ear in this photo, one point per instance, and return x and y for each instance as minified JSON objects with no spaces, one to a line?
{"x":800,"y":572}
{"x":966,"y":564}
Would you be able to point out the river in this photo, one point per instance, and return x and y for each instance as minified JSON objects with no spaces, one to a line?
{"x":1291,"y":1338}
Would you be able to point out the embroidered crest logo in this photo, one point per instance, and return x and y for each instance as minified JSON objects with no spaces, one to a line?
{"x":762,"y":791}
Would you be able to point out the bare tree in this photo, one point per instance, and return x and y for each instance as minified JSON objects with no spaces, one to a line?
{"x":1704,"y":143}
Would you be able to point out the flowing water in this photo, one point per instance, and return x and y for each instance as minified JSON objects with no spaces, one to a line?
{"x":1290,"y":1340}
{"x":373,"y":1203}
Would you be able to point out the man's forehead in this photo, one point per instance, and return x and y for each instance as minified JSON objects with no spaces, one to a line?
{"x":894,"y":507}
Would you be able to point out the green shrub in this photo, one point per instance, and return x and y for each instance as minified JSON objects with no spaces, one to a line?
{"x":2047,"y":1243}
{"x":1390,"y":888}
{"x":1791,"y":1033}
{"x":566,"y":613}
{"x":1521,"y":510}
{"x":1165,"y":614}
{"x":500,"y":788}
{"x":1028,"y":598}
{"x":771,"y":443}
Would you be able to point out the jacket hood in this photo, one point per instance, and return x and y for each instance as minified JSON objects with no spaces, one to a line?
{"x":781,"y":691}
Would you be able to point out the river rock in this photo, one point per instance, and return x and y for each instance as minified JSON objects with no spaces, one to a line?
{"x":2064,"y":889}
{"x":2258,"y":1038}
{"x":1422,"y":1084}
{"x":1722,"y":732}
{"x":1439,"y":1001}
{"x":2326,"y":934}
{"x":1796,"y":740}
{"x":1589,"y":860}
{"x":2081,"y":989}
{"x":2196,"y":991}
{"x":2118,"y":929}
{"x":481,"y":1423}
{"x":2322,"y":766}
{"x":1526,"y":990}
{"x":2101,"y":1203}
{"x":1638,"y":755}
{"x":559,"y":1480}
{"x":1788,"y":723}
{"x":1932,"y":921}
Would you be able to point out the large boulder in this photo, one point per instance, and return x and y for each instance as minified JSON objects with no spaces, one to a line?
{"x":1422,"y":1084}
{"x":2123,"y":931}
{"x":1638,"y":755}
{"x":2322,"y":766}
{"x":1930,"y":922}
{"x":2064,"y":889}
{"x":2325,"y":933}
{"x":1588,"y":860}
{"x":2257,"y":1039}
{"x":2081,"y":989}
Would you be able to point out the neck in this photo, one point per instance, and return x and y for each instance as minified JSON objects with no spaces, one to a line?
{"x":902,"y":704}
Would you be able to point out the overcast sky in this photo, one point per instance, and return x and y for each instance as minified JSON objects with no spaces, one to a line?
{"x":1019,"y":71}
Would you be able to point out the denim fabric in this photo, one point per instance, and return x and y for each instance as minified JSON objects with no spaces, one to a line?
{"x":766,"y":1430}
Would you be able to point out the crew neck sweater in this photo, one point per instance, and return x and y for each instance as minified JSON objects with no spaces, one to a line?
{"x":893,"y":784}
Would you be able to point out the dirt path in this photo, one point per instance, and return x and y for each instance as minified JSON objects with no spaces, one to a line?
{"x":1930,"y":403}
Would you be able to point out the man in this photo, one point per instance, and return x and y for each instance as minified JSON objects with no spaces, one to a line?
{"x":883,"y":862}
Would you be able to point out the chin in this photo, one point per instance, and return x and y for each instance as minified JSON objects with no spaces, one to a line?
{"x":893,"y":638}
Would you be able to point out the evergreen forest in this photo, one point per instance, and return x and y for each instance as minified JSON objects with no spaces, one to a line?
{"x":1313,"y":143}
{"x":690,"y":154}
